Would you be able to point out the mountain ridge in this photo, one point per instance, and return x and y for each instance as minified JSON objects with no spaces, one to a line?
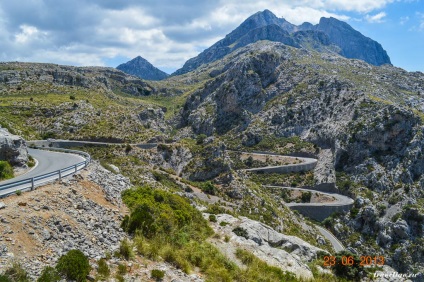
{"x":346,"y":41}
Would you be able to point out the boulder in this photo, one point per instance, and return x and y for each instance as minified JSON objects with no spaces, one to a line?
{"x":13,"y":148}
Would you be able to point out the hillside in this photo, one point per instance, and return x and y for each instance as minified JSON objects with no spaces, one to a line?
{"x":189,"y":207}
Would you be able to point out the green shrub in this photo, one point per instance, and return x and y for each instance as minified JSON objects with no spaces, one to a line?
{"x":157,"y":274}
{"x":6,"y":170}
{"x":128,"y":148}
{"x":125,"y":249}
{"x":4,"y":278}
{"x":16,"y":273}
{"x":18,"y":192}
{"x":200,"y":139}
{"x":351,"y":272}
{"x":208,"y":188}
{"x":49,"y":274}
{"x":74,"y":265}
{"x":240,"y":231}
{"x":72,"y":97}
{"x":306,"y":197}
{"x":212,"y":218}
{"x":122,"y":269}
{"x":103,"y":268}
{"x":156,"y":212}
{"x":31,"y":161}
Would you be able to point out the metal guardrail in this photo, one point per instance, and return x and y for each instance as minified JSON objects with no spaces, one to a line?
{"x":30,"y":184}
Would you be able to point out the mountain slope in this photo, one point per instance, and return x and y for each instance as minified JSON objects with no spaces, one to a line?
{"x":367,"y":122}
{"x":353,"y":44}
{"x":140,"y":67}
{"x":266,"y":26}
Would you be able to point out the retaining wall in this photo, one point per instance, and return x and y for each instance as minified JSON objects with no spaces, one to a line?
{"x":320,"y":213}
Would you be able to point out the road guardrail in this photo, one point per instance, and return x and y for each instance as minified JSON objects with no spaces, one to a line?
{"x":30,"y":184}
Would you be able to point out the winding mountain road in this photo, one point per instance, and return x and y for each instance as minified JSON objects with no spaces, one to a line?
{"x":47,"y":162}
{"x":317,"y":211}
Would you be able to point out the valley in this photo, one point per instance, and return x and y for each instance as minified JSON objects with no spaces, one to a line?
{"x":273,"y":105}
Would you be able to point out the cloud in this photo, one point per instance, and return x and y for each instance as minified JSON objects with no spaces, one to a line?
{"x":377,"y":18}
{"x":165,"y":32}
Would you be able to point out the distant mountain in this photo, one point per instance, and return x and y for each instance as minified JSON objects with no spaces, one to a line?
{"x":140,"y":67}
{"x":329,"y":35}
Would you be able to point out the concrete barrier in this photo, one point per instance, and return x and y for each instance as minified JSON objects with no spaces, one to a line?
{"x":320,"y":212}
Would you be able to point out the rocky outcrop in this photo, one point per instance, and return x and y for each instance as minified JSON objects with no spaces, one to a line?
{"x":20,"y":75}
{"x":13,"y":148}
{"x":141,"y":68}
{"x":287,"y":252}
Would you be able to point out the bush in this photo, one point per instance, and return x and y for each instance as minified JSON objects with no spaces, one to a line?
{"x":31,"y":161}
{"x":74,"y":265}
{"x":16,"y":273}
{"x":157,"y":212}
{"x":306,"y":197}
{"x":72,"y":97}
{"x":212,"y":218}
{"x":240,"y":231}
{"x":49,"y":274}
{"x":208,"y":188}
{"x":6,"y":170}
{"x":103,"y":269}
{"x":200,"y":139}
{"x":122,"y":269}
{"x":350,"y":272}
{"x":125,"y":249}
{"x":4,"y":278}
{"x":128,"y":148}
{"x":157,"y":274}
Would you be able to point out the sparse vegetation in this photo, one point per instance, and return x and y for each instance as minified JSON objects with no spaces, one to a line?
{"x":6,"y":170}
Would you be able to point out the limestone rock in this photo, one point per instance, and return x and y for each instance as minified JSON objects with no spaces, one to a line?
{"x":13,"y":148}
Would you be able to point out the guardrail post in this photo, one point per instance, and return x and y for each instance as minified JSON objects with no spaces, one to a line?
{"x":32,"y":184}
{"x":60,"y":174}
{"x":76,"y":168}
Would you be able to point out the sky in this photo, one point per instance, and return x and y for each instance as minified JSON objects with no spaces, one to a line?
{"x":169,"y":32}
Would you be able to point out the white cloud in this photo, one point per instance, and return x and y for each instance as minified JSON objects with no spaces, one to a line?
{"x":165,"y":32}
{"x":377,"y":18}
{"x":29,"y":33}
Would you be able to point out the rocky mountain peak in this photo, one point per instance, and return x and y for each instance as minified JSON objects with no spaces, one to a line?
{"x":140,"y":67}
{"x":343,"y":39}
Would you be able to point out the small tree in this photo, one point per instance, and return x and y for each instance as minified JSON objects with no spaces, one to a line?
{"x":74,"y":265}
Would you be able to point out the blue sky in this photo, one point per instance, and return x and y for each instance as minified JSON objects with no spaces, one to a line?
{"x":169,"y":32}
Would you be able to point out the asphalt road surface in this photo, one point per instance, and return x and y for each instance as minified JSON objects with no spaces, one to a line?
{"x":48,"y":161}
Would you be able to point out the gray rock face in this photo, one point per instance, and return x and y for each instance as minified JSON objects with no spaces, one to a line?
{"x":287,"y":252}
{"x":352,"y":43}
{"x":329,"y":35}
{"x":140,"y":67}
{"x":13,"y":148}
